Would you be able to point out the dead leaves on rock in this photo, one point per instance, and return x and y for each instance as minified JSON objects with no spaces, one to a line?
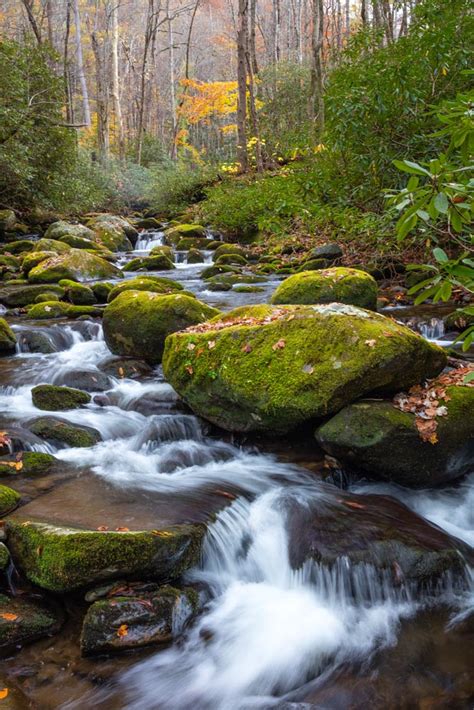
{"x":425,"y":401}
{"x":122,"y":631}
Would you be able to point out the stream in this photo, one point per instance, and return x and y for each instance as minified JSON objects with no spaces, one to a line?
{"x":269,"y":634}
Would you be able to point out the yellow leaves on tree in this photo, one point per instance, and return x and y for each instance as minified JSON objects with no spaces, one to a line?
{"x":202,"y":101}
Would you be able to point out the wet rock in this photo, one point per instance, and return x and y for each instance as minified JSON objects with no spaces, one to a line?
{"x":329,"y":251}
{"x":86,"y":380}
{"x":52,"y":245}
{"x":154,"y":284}
{"x":226,"y":249}
{"x":34,"y":258}
{"x":162,"y":250}
{"x":116,"y":233}
{"x":101,"y":400}
{"x":18,"y":246}
{"x":74,"y":265}
{"x":271,"y":369}
{"x":74,"y":558}
{"x":25,"y":620}
{"x":28,"y":463}
{"x":178,"y":231}
{"x":7,"y":220}
{"x":148,"y":223}
{"x":7,"y":338}
{"x":125,"y":367}
{"x":77,"y":294}
{"x":137,"y":323}
{"x":248,"y":289}
{"x":230,"y":280}
{"x":34,"y":341}
{"x":53,"y":398}
{"x":378,"y":439}
{"x":101,"y":290}
{"x":313,"y":265}
{"x":66,"y":232}
{"x":150,"y":263}
{"x":19,"y":296}
{"x":4,"y":557}
{"x":194,"y":257}
{"x":229,"y":259}
{"x":127,"y":622}
{"x":340,"y":285}
{"x":216,"y":270}
{"x":9,"y":499}
{"x":60,"y":431}
{"x":189,"y":243}
{"x":460,"y":319}
{"x":375,"y":530}
{"x":46,"y":310}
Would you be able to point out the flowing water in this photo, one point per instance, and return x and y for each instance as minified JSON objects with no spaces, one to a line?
{"x":271,"y":633}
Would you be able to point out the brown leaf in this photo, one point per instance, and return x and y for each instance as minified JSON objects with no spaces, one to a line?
{"x":247,"y":348}
{"x":189,"y":369}
{"x":279,"y":345}
{"x":122,"y":631}
{"x":353,"y":504}
{"x":191,"y":346}
{"x":121,"y":372}
{"x":122,"y":529}
{"x":9,"y":617}
{"x":102,"y":528}
{"x":370,"y":343}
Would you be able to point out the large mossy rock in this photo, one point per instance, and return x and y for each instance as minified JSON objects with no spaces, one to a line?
{"x":19,"y":296}
{"x":7,"y":220}
{"x":33,"y":258}
{"x":150,"y":263}
{"x":9,"y":499}
{"x":137,"y":323}
{"x":116,"y":233}
{"x":52,"y":245}
{"x":74,"y":265}
{"x":7,"y":338}
{"x":271,"y":369}
{"x":45,"y":310}
{"x":136,"y":620}
{"x":351,"y":286}
{"x":72,"y":558}
{"x":62,"y":432}
{"x":174,"y":234}
{"x":25,"y":620}
{"x":67,"y":232}
{"x":154,"y":284}
{"x":18,"y":247}
{"x":226,"y":249}
{"x":27,"y":463}
{"x":54,"y":399}
{"x":377,"y":439}
{"x":78,"y":294}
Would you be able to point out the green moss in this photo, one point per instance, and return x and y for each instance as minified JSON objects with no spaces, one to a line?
{"x":4,"y":557}
{"x":34,"y":258}
{"x":62,"y":431}
{"x":46,"y":296}
{"x":248,"y":289}
{"x":75,"y":265}
{"x":77,"y":294}
{"x":61,"y":231}
{"x":53,"y":398}
{"x":227,"y":249}
{"x":230,"y":280}
{"x":192,"y":243}
{"x":18,"y":246}
{"x":57,"y":309}
{"x":9,"y":499}
{"x":338,"y":284}
{"x":19,"y":296}
{"x":32,"y":464}
{"x":52,"y":245}
{"x":216,"y":270}
{"x":12,"y":261}
{"x":195,"y":257}
{"x":22,"y":621}
{"x":229,"y":259}
{"x":7,"y":338}
{"x":314,"y":265}
{"x":155,"y":285}
{"x":283,"y":366}
{"x":137,"y":323}
{"x":7,"y":220}
{"x":73,"y":558}
{"x":113,"y":232}
{"x":101,"y":290}
{"x":162,"y":250}
{"x":150,"y":263}
{"x":174,"y":234}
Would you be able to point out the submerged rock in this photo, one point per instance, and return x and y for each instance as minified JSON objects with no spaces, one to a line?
{"x":7,"y":338}
{"x":9,"y":499}
{"x":342,"y":285}
{"x":155,"y":284}
{"x":137,"y":323}
{"x":378,"y":439}
{"x":134,"y":621}
{"x":25,"y":620}
{"x":72,"y":558}
{"x":53,"y":398}
{"x":271,"y":369}
{"x":74,"y":265}
{"x":87,"y":380}
{"x":125,"y":367}
{"x":60,"y":431}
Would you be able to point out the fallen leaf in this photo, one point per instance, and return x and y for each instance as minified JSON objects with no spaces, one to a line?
{"x":247,"y":348}
{"x":122,"y":529}
{"x":370,"y":343}
{"x":9,"y":617}
{"x":121,"y":372}
{"x":225,"y":494}
{"x":3,"y":693}
{"x":211,"y":344}
{"x":191,"y":346}
{"x":279,"y":345}
{"x":122,"y":631}
{"x":189,"y":369}
{"x":353,"y":504}
{"x":102,"y":528}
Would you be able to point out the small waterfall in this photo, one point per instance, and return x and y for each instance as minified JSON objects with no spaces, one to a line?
{"x":149,"y":239}
{"x":432,"y":329}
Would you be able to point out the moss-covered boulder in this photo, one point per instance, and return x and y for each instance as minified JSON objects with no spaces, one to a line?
{"x":18,"y":246}
{"x":67,"y":232}
{"x":125,"y":622}
{"x":20,"y":296}
{"x":45,"y":296}
{"x":25,"y":620}
{"x":34,"y":258}
{"x":162,"y":250}
{"x":52,"y":245}
{"x":229,"y":259}
{"x":12,"y":261}
{"x":78,"y":294}
{"x":147,"y":223}
{"x":248,"y":289}
{"x":194,"y":257}
{"x":53,"y":398}
{"x":377,"y":439}
{"x":155,"y":285}
{"x":101,"y":290}
{"x":116,"y":233}
{"x":192,"y":243}
{"x":175,"y":233}
{"x":72,"y":558}
{"x":137,"y":323}
{"x":460,"y":319}
{"x":356,"y":288}
{"x":224,"y":249}
{"x":74,"y":265}
{"x":9,"y":499}
{"x":27,"y":463}
{"x":216,"y":270}
{"x":4,"y":558}
{"x":7,"y":220}
{"x":150,"y":263}
{"x":7,"y":338}
{"x":271,"y":369}
{"x":232,"y":279}
{"x":62,"y":432}
{"x":46,"y":310}
{"x":312,"y":265}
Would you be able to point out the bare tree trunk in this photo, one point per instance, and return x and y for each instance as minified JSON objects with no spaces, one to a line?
{"x":363,"y":13}
{"x":317,"y":79}
{"x":28,"y":5}
{"x":80,"y":66}
{"x":150,"y":31}
{"x":173,"y":153}
{"x":102,"y":103}
{"x":242,"y":36}
{"x":116,"y":81}
{"x":251,"y":63}
{"x":348,"y":18}
{"x":186,"y":70}
{"x":49,"y":16}
{"x":67,"y":84}
{"x":277,"y":30}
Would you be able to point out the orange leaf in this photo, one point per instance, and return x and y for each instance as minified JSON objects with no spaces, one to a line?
{"x":353,"y":504}
{"x":122,"y":631}
{"x":102,"y":528}
{"x":9,"y":617}
{"x":189,"y":369}
{"x":122,"y":529}
{"x":3,"y":693}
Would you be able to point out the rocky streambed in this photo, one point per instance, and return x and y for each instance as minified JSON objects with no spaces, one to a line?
{"x":165,"y":550}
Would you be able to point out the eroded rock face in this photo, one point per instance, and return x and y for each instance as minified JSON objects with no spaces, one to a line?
{"x":338,"y":284}
{"x":378,"y":439}
{"x":137,"y":323}
{"x":73,"y":558}
{"x":271,"y":369}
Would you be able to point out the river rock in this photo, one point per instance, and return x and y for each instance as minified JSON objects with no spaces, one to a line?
{"x":7,"y":220}
{"x":7,"y":338}
{"x":78,"y":294}
{"x":101,"y":290}
{"x":44,"y":310}
{"x":231,"y":259}
{"x":25,"y":620}
{"x":28,"y":463}
{"x":226,"y":249}
{"x":150,"y":263}
{"x":460,"y":319}
{"x":155,"y":284}
{"x":125,"y":367}
{"x":53,"y":398}
{"x":194,"y":257}
{"x":137,"y":323}
{"x":338,"y":284}
{"x":67,"y":233}
{"x":116,"y":233}
{"x":19,"y":296}
{"x":18,"y":246}
{"x":378,"y":439}
{"x":87,"y":380}
{"x":133,"y":621}
{"x":148,"y":223}
{"x":9,"y":499}
{"x":175,"y":233}
{"x":216,"y":270}
{"x":329,"y":251}
{"x":52,"y":245}
{"x":162,"y":250}
{"x":272,"y":369}
{"x":75,"y":265}
{"x":62,"y":432}
{"x":73,"y":558}
{"x":33,"y":258}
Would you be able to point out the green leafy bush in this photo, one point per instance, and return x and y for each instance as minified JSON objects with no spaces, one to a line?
{"x":174,"y":187}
